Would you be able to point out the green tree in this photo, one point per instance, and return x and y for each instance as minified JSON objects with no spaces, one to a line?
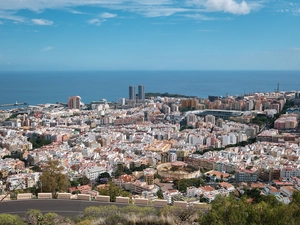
{"x":104,"y":175}
{"x":112,"y":191}
{"x":182,"y":184}
{"x":34,"y":217}
{"x":39,"y":142}
{"x":159,"y":194}
{"x":115,"y":219}
{"x":138,"y":212}
{"x":52,"y":179}
{"x":84,"y":180}
{"x":74,"y":183}
{"x":52,"y":219}
{"x":294,"y":206}
{"x":254,"y":193}
{"x":36,"y":169}
{"x":85,"y":222}
{"x":157,"y":176}
{"x":231,"y":211}
{"x":92,"y":212}
{"x":225,"y":211}
{"x":8,"y":219}
{"x":180,"y":215}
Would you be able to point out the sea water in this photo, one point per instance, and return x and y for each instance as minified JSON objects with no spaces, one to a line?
{"x":36,"y":87}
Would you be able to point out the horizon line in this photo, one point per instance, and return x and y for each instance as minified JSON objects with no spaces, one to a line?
{"x":151,"y":70}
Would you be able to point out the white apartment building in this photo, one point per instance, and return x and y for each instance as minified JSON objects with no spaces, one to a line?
{"x":93,"y":172}
{"x":288,"y":172}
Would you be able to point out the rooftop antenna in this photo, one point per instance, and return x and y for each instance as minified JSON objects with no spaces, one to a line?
{"x":278,"y":87}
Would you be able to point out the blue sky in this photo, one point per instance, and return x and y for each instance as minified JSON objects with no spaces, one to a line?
{"x":149,"y":35}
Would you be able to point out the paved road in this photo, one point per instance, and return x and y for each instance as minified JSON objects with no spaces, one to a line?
{"x":67,"y":208}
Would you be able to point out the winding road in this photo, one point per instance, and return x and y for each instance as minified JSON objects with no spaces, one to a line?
{"x":67,"y":208}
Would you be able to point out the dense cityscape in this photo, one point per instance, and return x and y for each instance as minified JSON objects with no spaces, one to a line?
{"x":153,"y":150}
{"x":139,"y":112}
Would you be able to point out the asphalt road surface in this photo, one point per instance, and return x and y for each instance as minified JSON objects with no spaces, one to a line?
{"x":67,"y":208}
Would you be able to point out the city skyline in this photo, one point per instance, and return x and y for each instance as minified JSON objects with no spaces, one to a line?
{"x":137,"y":96}
{"x":156,"y":35}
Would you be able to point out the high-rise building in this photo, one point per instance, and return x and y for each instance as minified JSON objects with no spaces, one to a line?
{"x":189,"y":103}
{"x":220,"y":122}
{"x":141,"y":92}
{"x":122,"y":101}
{"x":149,"y":176}
{"x":191,"y":119}
{"x":210,"y":119}
{"x":74,"y":102}
{"x":132,"y":93}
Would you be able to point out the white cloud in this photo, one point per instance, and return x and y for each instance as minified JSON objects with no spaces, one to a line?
{"x":154,"y":2}
{"x":228,"y":6}
{"x":75,"y":11}
{"x":239,"y":7}
{"x":295,"y":49}
{"x":42,"y":22}
{"x":162,"y":11}
{"x":147,"y":8}
{"x":46,"y":49}
{"x":95,"y":21}
{"x":9,"y":15}
{"x":107,"y":15}
{"x":287,"y":7}
{"x":199,"y":17}
{"x":32,"y":31}
{"x":39,"y":5}
{"x":153,"y":11}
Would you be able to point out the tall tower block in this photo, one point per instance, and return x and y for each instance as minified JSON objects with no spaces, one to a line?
{"x":141,"y":93}
{"x":131,"y":92}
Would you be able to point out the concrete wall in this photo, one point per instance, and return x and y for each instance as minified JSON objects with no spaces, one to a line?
{"x":180,"y":203}
{"x":64,"y":195}
{"x":84,"y":197}
{"x":122,"y":200}
{"x":44,"y":195}
{"x":162,"y":203}
{"x":141,"y":201}
{"x":24,"y":196}
{"x":4,"y":197}
{"x":102,"y":198}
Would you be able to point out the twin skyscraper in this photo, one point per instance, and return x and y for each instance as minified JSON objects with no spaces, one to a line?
{"x":140,"y":95}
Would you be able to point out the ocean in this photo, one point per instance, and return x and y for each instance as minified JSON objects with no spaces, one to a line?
{"x":56,"y":86}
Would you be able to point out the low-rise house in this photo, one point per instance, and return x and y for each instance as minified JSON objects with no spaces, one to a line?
{"x":22,"y":181}
{"x":268,"y":190}
{"x":287,"y":191}
{"x":216,"y":175}
{"x":227,"y":186}
{"x":139,"y":187}
{"x":168,"y":195}
{"x":82,"y":189}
